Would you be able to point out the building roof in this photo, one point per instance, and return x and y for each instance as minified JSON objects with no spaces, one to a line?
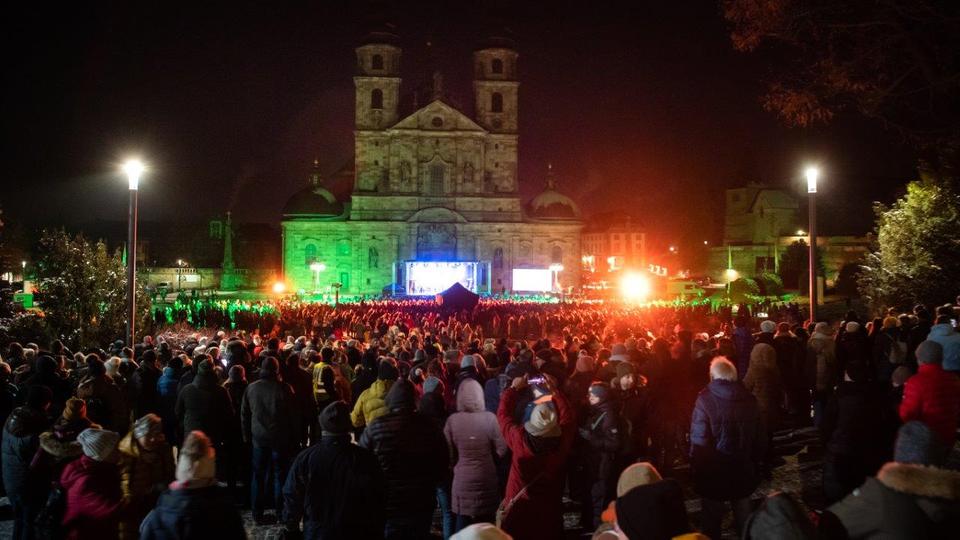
{"x":315,"y":200}
{"x":551,"y":204}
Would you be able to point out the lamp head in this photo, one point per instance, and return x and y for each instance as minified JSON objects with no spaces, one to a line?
{"x":812,"y":174}
{"x":133,"y":168}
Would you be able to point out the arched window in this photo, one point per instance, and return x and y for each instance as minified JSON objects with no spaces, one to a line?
{"x":343,"y":247}
{"x":498,"y":258}
{"x":373,"y":258}
{"x":376,"y":62}
{"x":376,"y":99}
{"x":556,"y":254}
{"x":310,"y":254}
{"x":496,"y":66}
{"x":436,"y":180}
{"x":496,"y":102}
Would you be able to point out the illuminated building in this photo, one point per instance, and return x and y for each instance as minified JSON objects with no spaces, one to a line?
{"x":613,"y":242}
{"x":430,"y":185}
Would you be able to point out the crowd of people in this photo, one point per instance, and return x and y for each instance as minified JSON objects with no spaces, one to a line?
{"x":366,"y":420}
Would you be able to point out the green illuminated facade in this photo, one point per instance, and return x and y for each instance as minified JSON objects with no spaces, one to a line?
{"x":433,"y":184}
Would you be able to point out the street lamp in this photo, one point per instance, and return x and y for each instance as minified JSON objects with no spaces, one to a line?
{"x":556,"y":268}
{"x":180,"y":265}
{"x":133,"y":168}
{"x":812,"y":174}
{"x":317,"y":267}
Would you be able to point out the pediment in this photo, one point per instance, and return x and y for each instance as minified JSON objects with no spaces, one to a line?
{"x":438,"y":116}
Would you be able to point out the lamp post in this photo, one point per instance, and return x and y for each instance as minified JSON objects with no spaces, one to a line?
{"x":317,"y":267}
{"x":336,"y":293}
{"x":812,"y":174}
{"x":133,"y":169}
{"x":556,"y":268}
{"x":180,"y":266}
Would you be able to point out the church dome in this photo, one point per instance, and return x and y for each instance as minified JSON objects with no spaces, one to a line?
{"x":551,"y":204}
{"x":313,"y":201}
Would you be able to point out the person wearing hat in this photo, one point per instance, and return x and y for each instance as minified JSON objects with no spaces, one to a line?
{"x":533,"y":506}
{"x":335,"y":487}
{"x":94,"y":500}
{"x":820,"y":369}
{"x":631,"y":394}
{"x":481,"y":531}
{"x":853,"y":347}
{"x":647,"y":506}
{"x":598,"y":447}
{"x":371,"y":403}
{"x":270,"y":422}
{"x":146,"y":467}
{"x":932,"y":395}
{"x":21,"y":437}
{"x":944,"y":333}
{"x":204,"y":405}
{"x":106,"y":404}
{"x":914,"y":496}
{"x":194,"y":506}
{"x":764,"y":382}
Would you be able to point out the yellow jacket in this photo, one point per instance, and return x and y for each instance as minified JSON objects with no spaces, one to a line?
{"x":370,"y":405}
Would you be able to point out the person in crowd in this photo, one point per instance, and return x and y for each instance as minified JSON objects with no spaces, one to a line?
{"x":146,"y":467}
{"x":820,"y":369}
{"x":269,"y":415}
{"x":482,"y":531}
{"x":106,"y":404}
{"x":779,"y":516}
{"x":475,"y":443}
{"x":914,"y":496}
{"x":204,"y":405}
{"x":433,"y":405}
{"x":932,"y":395}
{"x":790,"y":361}
{"x":194,"y":506}
{"x":532,"y":506}
{"x":889,"y":349}
{"x":853,"y":348}
{"x":47,"y":373}
{"x":372,"y":402}
{"x":302,"y":384}
{"x":94,"y":500}
{"x":647,"y":506}
{"x":852,"y":425}
{"x":743,"y":342}
{"x":9,"y":393}
{"x":601,"y":439}
{"x":142,"y":388}
{"x":763,"y":381}
{"x":725,"y":447}
{"x":167,"y":396}
{"x":945,"y":333}
{"x":25,"y":487}
{"x":413,"y":454}
{"x":335,"y":487}
{"x":236,"y":453}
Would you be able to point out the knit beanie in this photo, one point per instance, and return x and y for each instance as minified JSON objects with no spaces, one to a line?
{"x":74,"y":409}
{"x":335,"y":418}
{"x":98,"y":444}
{"x":918,"y":444}
{"x":481,"y":531}
{"x":638,"y":474}
{"x":600,"y":390}
{"x":387,"y":371}
{"x":618,"y":352}
{"x":147,"y":425}
{"x":625,"y":368}
{"x":197,"y":464}
{"x":852,"y":327}
{"x":543,"y":421}
{"x":768,"y":327}
{"x":468,"y":361}
{"x":431,"y":384}
{"x":929,"y":352}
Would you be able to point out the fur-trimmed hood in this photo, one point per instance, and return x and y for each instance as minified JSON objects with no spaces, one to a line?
{"x":921,"y":480}
{"x":59,"y":449}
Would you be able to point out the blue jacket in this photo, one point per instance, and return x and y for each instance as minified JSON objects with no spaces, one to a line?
{"x":949,"y":339}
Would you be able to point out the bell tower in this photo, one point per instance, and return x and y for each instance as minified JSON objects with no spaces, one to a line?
{"x":495,"y":88}
{"x":377,"y":85}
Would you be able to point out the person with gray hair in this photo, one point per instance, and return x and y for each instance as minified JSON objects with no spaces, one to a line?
{"x":725,"y":447}
{"x":932,"y":395}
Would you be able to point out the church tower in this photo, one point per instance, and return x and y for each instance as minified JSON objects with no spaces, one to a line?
{"x":377,"y":85}
{"x":495,"y":88}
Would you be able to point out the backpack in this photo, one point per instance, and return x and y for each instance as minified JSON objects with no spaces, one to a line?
{"x":47,"y":524}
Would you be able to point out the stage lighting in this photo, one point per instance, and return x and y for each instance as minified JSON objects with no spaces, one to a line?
{"x":279,"y":287}
{"x":635,"y":287}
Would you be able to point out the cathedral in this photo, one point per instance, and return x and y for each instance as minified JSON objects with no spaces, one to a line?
{"x":432,"y":195}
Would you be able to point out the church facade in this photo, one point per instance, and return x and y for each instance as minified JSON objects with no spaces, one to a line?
{"x":431,"y":185}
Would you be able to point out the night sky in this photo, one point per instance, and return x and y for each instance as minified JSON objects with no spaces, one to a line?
{"x":645,"y":109}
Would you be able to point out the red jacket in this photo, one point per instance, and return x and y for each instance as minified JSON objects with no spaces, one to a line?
{"x":932,"y":396}
{"x":94,"y":499}
{"x":538,"y":513}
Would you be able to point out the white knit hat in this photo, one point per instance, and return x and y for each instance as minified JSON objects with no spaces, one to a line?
{"x":768,"y":327}
{"x":197,"y":463}
{"x":543,"y":421}
{"x":852,"y":326}
{"x":481,"y":531}
{"x":98,"y":444}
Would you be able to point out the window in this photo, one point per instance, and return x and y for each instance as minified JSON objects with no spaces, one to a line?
{"x":556,"y":254}
{"x":345,"y":280}
{"x":436,"y":180}
{"x":310,"y":254}
{"x":498,"y":258}
{"x":496,"y":66}
{"x":376,"y":62}
{"x":373,"y":258}
{"x":437,"y":122}
{"x":376,"y":99}
{"x":496,"y":102}
{"x":343,"y":247}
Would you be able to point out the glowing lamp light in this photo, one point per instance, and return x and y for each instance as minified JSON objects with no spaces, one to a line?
{"x":635,"y":287}
{"x":318,"y":267}
{"x":812,"y":173}
{"x":279,"y":287}
{"x":556,"y":267}
{"x":731,"y":274}
{"x":133,"y":168}
{"x":801,"y":232}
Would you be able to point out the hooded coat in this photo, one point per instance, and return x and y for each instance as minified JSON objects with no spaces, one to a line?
{"x":725,"y":445}
{"x":184,"y":513}
{"x":205,"y":406}
{"x":106,"y":404}
{"x":21,"y":438}
{"x":371,"y":404}
{"x":820,"y":368}
{"x":269,"y":414}
{"x":537,"y":464}
{"x":933,"y":397}
{"x":763,"y":381}
{"x":143,"y":476}
{"x":903,"y":501}
{"x":474,"y":439}
{"x":93,"y":498}
{"x":412,"y":453}
{"x":948,"y":338}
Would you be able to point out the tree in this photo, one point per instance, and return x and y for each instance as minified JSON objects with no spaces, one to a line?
{"x":897,"y":61}
{"x":795,"y":265}
{"x":916,"y":254}
{"x":83,"y":290}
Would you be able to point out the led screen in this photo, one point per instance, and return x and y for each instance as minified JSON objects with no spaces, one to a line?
{"x":429,"y":278}
{"x":532,"y":280}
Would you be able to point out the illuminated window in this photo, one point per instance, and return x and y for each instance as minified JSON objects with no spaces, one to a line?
{"x":376,"y":99}
{"x":377,"y":62}
{"x":496,"y":66}
{"x":310,"y":254}
{"x":496,"y":102}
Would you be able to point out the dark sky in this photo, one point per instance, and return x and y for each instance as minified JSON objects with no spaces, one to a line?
{"x":644,"y":109}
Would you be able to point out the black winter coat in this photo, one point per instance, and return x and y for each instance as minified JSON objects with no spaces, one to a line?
{"x":601,"y":433}
{"x":143,"y":391}
{"x":21,"y":438}
{"x":337,"y":489}
{"x":854,"y":421}
{"x":269,"y":415}
{"x":724,"y":441}
{"x":204,"y":405}
{"x":183,"y":514}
